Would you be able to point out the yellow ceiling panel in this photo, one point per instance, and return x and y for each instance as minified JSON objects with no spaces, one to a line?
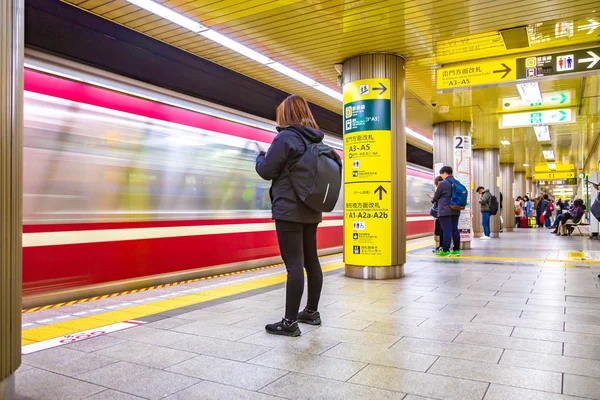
{"x":311,"y":36}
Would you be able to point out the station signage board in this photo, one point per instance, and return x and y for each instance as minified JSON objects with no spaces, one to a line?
{"x":560,"y":98}
{"x":535,"y":118}
{"x":463,"y":167}
{"x":570,"y":181}
{"x":476,"y":73}
{"x":558,"y":167}
{"x":554,"y":175}
{"x":368,"y":173}
{"x":557,"y":64}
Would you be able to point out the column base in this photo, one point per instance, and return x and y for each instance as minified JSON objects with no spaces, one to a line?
{"x":7,"y":388}
{"x":465,"y":245}
{"x":507,"y":229}
{"x":495,"y":234}
{"x":376,"y":273}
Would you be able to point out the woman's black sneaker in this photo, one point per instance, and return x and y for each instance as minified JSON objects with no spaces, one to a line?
{"x":309,"y":317}
{"x":285,"y":328}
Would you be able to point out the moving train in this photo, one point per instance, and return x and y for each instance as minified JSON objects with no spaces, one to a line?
{"x":128,"y":185}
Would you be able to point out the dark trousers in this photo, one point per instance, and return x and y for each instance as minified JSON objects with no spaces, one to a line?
{"x":438,"y":232}
{"x":298,"y":246}
{"x":451,"y":233}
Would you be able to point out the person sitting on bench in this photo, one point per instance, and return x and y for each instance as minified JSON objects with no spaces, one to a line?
{"x":575,"y":218}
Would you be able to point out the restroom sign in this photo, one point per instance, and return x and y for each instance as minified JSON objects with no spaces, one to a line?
{"x":565,"y":63}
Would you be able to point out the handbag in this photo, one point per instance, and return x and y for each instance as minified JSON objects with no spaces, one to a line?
{"x":596,"y":208}
{"x":433,"y":212}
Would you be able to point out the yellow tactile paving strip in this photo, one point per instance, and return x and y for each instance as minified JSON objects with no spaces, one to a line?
{"x":47,"y":332}
{"x":118,"y":294}
{"x":67,"y":327}
{"x":106,"y":296}
{"x":491,"y":258}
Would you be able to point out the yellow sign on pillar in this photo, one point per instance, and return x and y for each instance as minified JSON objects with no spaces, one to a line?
{"x":476,"y":73}
{"x":368,"y":173}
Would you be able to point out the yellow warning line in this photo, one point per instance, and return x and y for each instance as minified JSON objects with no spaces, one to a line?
{"x":87,"y":300}
{"x":490,"y":258}
{"x":47,"y":332}
{"x":73,"y":326}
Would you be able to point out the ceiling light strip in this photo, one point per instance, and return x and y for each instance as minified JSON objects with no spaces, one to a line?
{"x":231,"y":44}
{"x":239,"y":48}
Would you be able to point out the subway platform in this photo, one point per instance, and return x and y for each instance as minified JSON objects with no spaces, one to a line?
{"x":515,"y":318}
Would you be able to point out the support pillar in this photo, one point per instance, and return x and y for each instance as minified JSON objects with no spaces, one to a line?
{"x":529,"y":187}
{"x":375,"y":166}
{"x":520,"y":188}
{"x":486,"y":173}
{"x":507,"y":180}
{"x":444,"y":147}
{"x":11,"y":190}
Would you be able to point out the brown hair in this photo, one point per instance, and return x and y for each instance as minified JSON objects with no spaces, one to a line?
{"x":294,"y":110}
{"x":437,"y":180}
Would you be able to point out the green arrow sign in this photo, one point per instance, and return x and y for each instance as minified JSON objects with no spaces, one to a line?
{"x":561,"y":99}
{"x":561,"y":115}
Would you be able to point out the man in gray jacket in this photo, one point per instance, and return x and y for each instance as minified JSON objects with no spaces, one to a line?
{"x":485,"y":200}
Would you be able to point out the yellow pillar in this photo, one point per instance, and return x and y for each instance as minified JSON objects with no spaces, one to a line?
{"x":375,"y":166}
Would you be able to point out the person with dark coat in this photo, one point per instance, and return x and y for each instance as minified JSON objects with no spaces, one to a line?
{"x":485,"y":202}
{"x":295,"y":223}
{"x":540,"y":209}
{"x":447,"y":215}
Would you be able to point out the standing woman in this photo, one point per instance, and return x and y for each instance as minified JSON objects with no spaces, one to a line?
{"x":519,"y":210}
{"x":296,"y":224}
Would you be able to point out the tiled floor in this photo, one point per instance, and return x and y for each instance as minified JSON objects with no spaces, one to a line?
{"x":463,"y":329}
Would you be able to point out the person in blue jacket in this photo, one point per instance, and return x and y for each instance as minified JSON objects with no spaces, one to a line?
{"x":295,"y":223}
{"x":448,"y":217}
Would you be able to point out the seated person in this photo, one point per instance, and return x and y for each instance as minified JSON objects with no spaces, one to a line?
{"x":565,"y":208}
{"x":574,"y":217}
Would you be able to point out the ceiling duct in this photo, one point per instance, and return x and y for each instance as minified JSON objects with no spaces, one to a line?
{"x":515,"y":38}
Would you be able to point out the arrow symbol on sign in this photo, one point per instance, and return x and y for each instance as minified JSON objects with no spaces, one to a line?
{"x":381,"y":88}
{"x":381,"y":191}
{"x":593,"y":60}
{"x":562,"y":98}
{"x":593,"y":24}
{"x":506,"y":71}
{"x":561,"y":115}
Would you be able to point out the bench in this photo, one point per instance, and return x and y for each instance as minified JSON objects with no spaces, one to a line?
{"x":571,"y":226}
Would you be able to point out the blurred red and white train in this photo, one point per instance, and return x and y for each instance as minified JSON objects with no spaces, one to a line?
{"x":126,"y":184}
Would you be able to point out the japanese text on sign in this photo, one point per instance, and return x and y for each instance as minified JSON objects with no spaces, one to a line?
{"x":367,"y":173}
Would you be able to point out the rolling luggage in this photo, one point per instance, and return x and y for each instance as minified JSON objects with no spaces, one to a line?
{"x":523,"y":223}
{"x":532,"y":222}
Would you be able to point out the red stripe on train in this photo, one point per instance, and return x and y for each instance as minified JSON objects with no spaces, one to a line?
{"x":82,"y":93}
{"x":49,"y":268}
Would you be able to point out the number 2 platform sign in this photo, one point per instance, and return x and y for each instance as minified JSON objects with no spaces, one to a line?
{"x":463,"y":166}
{"x":367,"y":173}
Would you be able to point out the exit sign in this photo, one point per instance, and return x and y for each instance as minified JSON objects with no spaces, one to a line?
{"x":534,"y":118}
{"x":551,"y":99}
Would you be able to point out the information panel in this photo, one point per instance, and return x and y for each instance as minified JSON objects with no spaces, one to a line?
{"x":367,"y":173}
{"x":462,"y":167}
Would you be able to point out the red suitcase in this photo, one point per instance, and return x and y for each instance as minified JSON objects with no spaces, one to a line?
{"x":523,"y":223}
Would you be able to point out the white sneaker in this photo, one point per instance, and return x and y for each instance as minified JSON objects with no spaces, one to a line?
{"x":485,"y":238}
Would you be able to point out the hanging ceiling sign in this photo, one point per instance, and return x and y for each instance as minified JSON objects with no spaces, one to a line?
{"x":551,"y":99}
{"x":563,"y":63}
{"x":476,"y":73}
{"x":534,"y":118}
{"x":554,"y":175}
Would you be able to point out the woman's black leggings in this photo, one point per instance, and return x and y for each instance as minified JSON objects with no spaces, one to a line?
{"x":298,"y":246}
